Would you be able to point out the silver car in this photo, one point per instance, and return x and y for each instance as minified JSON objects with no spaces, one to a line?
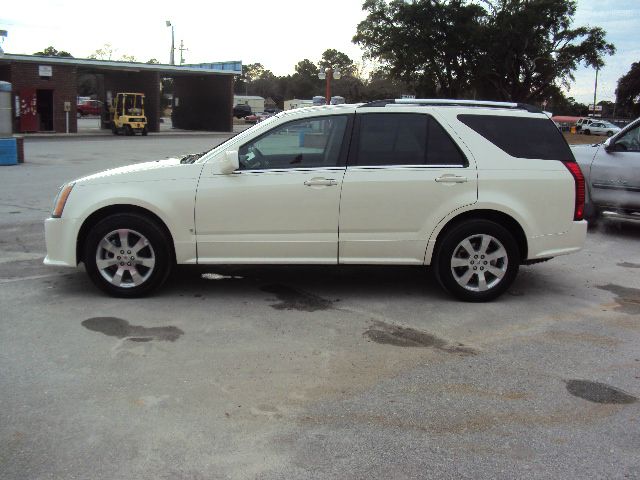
{"x":612,"y":175}
{"x":601,"y":128}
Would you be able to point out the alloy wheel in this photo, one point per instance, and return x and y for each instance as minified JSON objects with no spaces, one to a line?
{"x":125,"y":258}
{"x":479,"y":263}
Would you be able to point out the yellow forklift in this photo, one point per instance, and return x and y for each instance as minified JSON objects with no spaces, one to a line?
{"x":126,"y":114}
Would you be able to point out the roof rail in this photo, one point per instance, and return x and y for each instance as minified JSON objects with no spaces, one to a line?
{"x":451,"y":102}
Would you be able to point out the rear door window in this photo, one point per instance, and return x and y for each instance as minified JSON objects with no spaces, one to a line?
{"x":521,"y":137}
{"x":388,"y":139}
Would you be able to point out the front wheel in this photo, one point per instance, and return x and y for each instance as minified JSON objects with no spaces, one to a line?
{"x":587,"y":132}
{"x":476,"y":261}
{"x":609,"y":134}
{"x":127,"y":255}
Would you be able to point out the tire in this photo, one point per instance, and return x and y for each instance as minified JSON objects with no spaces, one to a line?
{"x":128,"y":131}
{"x":609,"y":134}
{"x":114,"y":129}
{"x":587,"y":132}
{"x":145,"y":132}
{"x":468,"y":275}
{"x":132,"y":271}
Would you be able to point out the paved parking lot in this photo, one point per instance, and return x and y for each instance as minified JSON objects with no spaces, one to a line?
{"x":307,"y":372}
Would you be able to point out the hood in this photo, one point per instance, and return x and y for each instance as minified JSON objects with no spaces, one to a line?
{"x":584,"y":154}
{"x":587,"y":147}
{"x":156,"y":170}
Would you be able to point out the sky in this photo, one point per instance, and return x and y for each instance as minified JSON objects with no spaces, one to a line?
{"x":276,"y":33}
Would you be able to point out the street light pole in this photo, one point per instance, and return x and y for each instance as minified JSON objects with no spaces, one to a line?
{"x":328,"y":75}
{"x":171,"y":55}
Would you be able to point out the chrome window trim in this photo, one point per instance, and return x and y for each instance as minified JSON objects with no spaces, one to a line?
{"x":283,"y":170}
{"x":419,"y":166}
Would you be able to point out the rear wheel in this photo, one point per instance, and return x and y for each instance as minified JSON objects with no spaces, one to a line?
{"x":114,"y":129}
{"x":609,"y":133}
{"x":477,"y":260}
{"x":127,"y":255}
{"x":145,"y":131}
{"x":587,"y":132}
{"x":128,"y":130}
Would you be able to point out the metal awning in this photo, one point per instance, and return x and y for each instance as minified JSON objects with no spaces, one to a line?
{"x":96,"y":66}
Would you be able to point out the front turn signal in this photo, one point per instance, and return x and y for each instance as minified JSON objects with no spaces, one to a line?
{"x":61,"y":200}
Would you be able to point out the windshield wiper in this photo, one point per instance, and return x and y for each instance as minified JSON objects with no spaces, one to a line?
{"x":191,"y":158}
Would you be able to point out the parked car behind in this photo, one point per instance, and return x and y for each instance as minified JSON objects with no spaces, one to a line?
{"x":257,"y":117}
{"x":612,"y":175}
{"x":241,"y":111}
{"x":601,"y":128}
{"x":582,"y":123}
{"x":89,"y":107}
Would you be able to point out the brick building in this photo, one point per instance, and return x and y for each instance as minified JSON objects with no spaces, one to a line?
{"x":45,"y":91}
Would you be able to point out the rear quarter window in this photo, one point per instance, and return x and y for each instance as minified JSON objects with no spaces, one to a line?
{"x":521,"y":137}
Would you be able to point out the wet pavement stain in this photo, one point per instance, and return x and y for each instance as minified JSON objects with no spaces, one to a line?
{"x":292,"y":299}
{"x":628,"y":265}
{"x":628,"y":299}
{"x":385,"y":333}
{"x":598,"y":392}
{"x":119,"y":328}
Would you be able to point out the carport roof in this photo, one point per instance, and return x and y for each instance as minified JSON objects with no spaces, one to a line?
{"x":98,"y":65}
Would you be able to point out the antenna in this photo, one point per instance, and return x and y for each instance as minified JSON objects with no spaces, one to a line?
{"x":182,"y":49}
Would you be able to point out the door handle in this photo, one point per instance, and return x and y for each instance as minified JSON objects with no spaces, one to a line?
{"x":323,"y":182}
{"x":451,"y":179}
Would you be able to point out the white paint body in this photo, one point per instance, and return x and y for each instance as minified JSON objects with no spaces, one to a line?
{"x":370,"y":215}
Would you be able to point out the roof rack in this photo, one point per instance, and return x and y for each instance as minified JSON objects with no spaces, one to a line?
{"x":429,"y":102}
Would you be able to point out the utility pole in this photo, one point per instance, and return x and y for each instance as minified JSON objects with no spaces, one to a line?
{"x":182,"y":49}
{"x":595,"y":89}
{"x":171,"y":55}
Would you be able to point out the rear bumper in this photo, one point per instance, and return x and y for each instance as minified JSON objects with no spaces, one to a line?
{"x":60,"y":235}
{"x":552,"y":245}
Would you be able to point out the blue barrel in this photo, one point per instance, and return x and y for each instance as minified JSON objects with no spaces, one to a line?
{"x":8,"y":151}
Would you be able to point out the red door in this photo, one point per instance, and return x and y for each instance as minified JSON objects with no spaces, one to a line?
{"x":28,"y":110}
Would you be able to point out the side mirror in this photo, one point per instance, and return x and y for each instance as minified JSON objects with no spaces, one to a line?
{"x":607,"y":145}
{"x":229,"y":162}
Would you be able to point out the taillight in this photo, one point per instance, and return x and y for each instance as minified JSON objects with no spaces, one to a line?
{"x":574,"y":168}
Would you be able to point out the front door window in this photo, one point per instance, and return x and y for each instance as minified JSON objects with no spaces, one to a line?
{"x":308,"y":143}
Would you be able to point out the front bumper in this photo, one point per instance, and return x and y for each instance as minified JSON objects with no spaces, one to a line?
{"x":60,"y":235}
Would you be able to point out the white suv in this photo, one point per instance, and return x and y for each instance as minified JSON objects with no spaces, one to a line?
{"x":473,"y":189}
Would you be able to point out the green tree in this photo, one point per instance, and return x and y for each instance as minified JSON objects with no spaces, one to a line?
{"x":519,"y":50}
{"x":381,"y":84}
{"x":52,"y":52}
{"x":628,"y":91}
{"x":307,"y":69}
{"x":431,"y":44}
{"x":530,"y":49}
{"x":338,"y":61}
{"x":103,"y":53}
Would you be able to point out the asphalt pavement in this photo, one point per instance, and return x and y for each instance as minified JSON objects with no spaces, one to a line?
{"x":307,"y":372}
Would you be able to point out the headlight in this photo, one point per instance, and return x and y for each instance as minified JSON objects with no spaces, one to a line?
{"x":61,"y":200}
